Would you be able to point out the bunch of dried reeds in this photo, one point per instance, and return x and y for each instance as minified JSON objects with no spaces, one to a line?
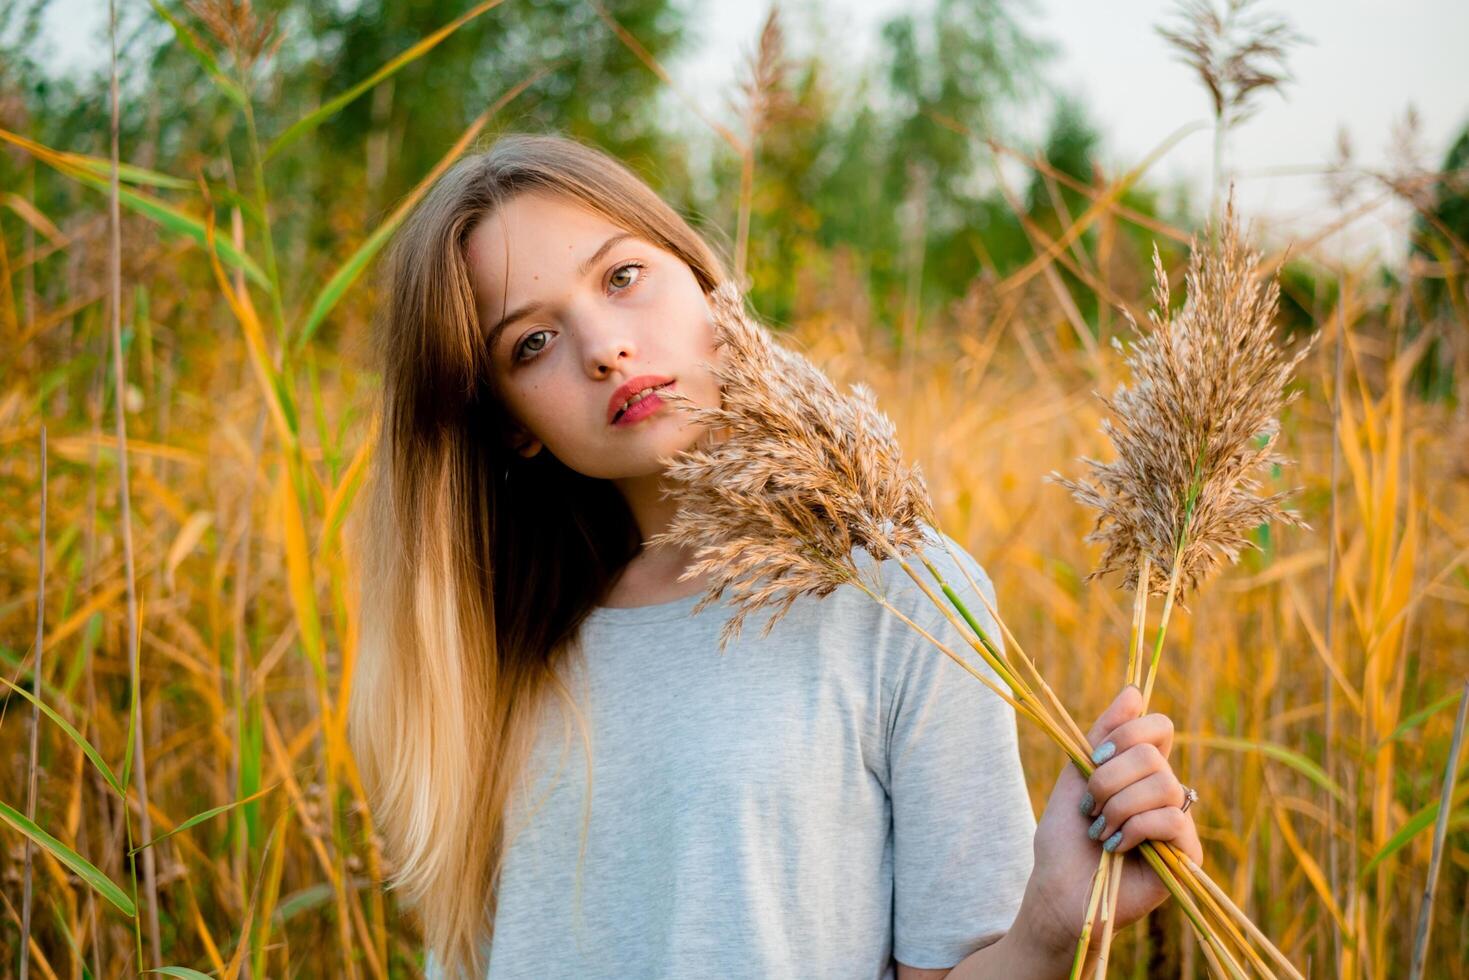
{"x":1192,"y":433}
{"x":803,"y":474}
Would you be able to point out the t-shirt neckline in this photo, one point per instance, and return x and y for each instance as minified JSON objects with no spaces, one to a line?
{"x":656,"y":612}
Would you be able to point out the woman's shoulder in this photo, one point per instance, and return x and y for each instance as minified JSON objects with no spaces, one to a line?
{"x":954,"y":563}
{"x":905,"y":655}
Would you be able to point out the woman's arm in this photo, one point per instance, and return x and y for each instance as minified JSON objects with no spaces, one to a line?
{"x":1029,"y":951}
{"x":1132,"y":796}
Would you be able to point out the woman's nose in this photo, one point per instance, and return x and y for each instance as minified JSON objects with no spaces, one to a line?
{"x":607,"y":347}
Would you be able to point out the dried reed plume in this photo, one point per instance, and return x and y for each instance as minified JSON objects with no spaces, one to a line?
{"x":1235,"y":54}
{"x":1197,"y":425}
{"x":763,"y":102}
{"x":238,"y":29}
{"x":804,"y":475}
{"x":762,"y":93}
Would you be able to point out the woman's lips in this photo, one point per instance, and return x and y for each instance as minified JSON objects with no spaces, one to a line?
{"x":642,"y":408}
{"x":631,"y":388}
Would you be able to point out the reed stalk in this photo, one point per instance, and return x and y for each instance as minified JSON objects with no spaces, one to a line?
{"x":1440,"y":831}
{"x":119,"y":370}
{"x":1328,"y":629}
{"x":34,"y":767}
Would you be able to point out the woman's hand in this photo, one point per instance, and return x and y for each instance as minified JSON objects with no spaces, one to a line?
{"x":1132,"y":796}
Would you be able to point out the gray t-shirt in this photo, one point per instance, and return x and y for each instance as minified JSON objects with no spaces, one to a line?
{"x":811,"y":804}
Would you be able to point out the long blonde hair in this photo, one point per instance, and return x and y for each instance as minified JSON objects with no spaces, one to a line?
{"x":469,"y":597}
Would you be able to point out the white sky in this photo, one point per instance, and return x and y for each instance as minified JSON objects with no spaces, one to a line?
{"x":1369,"y":60}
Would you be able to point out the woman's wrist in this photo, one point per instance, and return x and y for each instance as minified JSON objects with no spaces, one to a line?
{"x":1043,"y":940}
{"x":1034,"y":948}
{"x":1026,"y":952}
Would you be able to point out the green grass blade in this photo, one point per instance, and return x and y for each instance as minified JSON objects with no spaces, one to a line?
{"x":311,"y":898}
{"x":307,"y":899}
{"x":199,"y":818}
{"x":174,"y":220}
{"x":76,"y":736}
{"x":168,"y":217}
{"x":252,"y":766}
{"x":84,"y":869}
{"x":1418,"y":823}
{"x":1413,"y":721}
{"x":181,"y":972}
{"x":19,"y":664}
{"x":1279,"y":753}
{"x":127,"y":173}
{"x":134,"y":697}
{"x":71,"y":942}
{"x":342,"y":280}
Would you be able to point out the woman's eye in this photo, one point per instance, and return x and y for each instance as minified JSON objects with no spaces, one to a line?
{"x":526,"y":345}
{"x":620,"y":270}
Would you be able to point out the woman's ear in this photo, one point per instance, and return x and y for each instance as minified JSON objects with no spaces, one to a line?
{"x":516,"y":436}
{"x":522,"y":441}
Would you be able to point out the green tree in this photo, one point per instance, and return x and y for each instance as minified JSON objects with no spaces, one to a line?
{"x":1440,"y":236}
{"x":895,"y":175}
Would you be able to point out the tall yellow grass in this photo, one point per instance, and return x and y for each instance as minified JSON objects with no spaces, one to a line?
{"x":238,"y":549}
{"x":243,"y":467}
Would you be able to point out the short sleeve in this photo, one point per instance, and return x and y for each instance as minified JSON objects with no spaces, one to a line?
{"x":963,"y":826}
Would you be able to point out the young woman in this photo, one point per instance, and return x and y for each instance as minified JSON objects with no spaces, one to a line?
{"x":836,"y":799}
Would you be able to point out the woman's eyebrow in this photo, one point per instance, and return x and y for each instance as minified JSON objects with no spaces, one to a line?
{"x":527,"y":309}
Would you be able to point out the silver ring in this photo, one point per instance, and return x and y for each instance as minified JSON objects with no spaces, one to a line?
{"x":1189,"y":796}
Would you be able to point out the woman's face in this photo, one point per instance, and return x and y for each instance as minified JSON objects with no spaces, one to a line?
{"x":572,"y":306}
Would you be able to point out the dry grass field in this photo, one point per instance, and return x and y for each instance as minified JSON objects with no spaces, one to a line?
{"x":1315,"y":684}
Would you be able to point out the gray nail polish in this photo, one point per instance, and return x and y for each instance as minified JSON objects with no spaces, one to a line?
{"x":1112,"y":842}
{"x":1097,"y":826}
{"x":1104,"y":752}
{"x":1086,"y":805}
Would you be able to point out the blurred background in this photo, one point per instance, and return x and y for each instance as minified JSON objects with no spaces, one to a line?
{"x":954,"y":201}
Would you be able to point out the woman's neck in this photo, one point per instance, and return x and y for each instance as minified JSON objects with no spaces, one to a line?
{"x":652,"y":578}
{"x":652,"y":575}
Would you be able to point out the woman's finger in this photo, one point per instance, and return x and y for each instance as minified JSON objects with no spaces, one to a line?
{"x":1128,"y":704}
{"x":1155,"y":728}
{"x":1123,"y":770}
{"x":1161,"y":789}
{"x":1166,"y":824}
